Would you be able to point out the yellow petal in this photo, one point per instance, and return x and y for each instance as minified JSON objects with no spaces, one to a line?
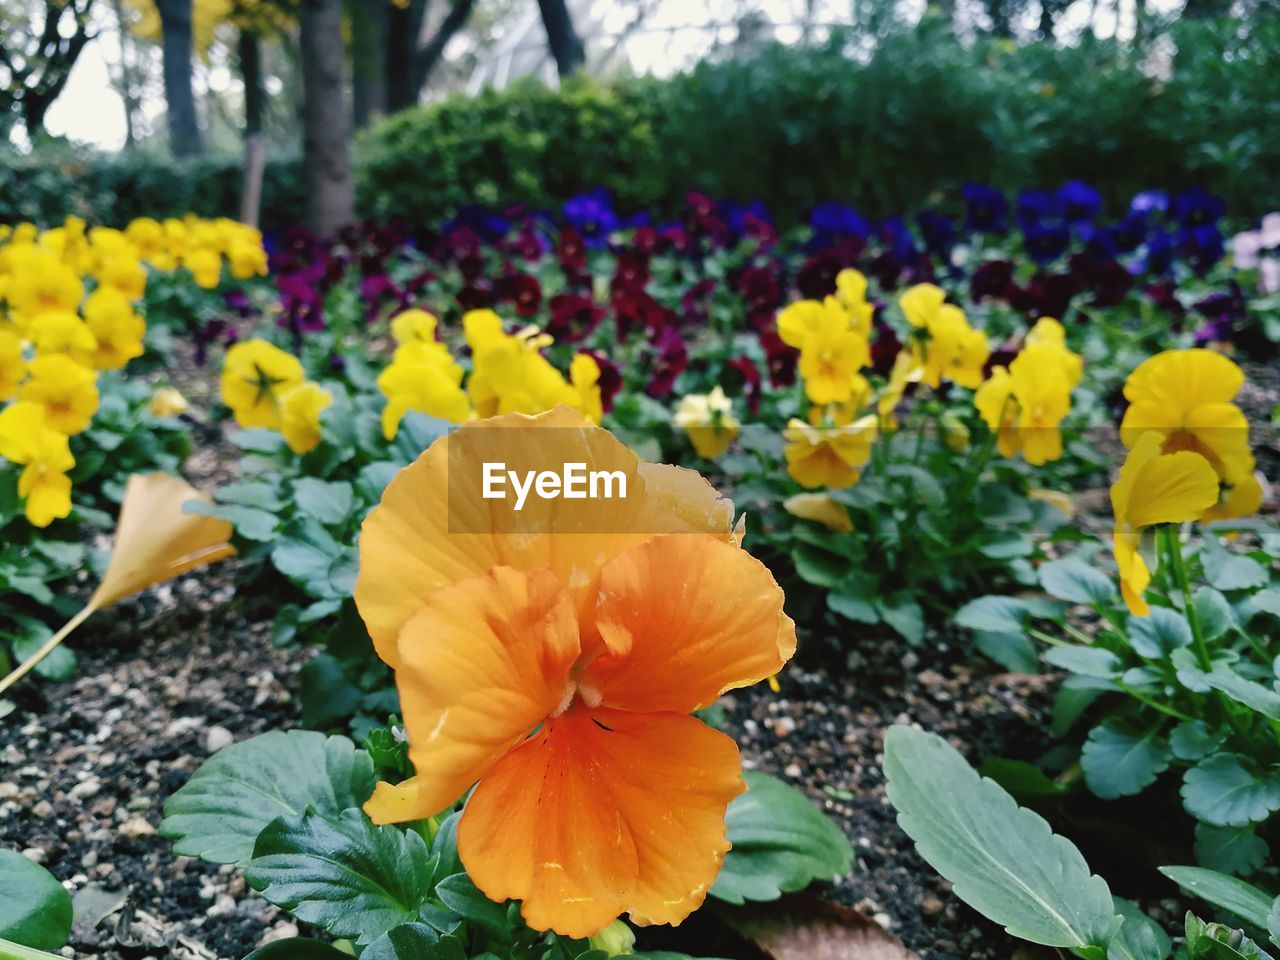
{"x":155,"y":540}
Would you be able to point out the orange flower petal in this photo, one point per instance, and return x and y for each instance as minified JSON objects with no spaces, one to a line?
{"x":481,"y":665}
{"x":408,"y":549}
{"x":602,"y":812}
{"x":685,"y":618}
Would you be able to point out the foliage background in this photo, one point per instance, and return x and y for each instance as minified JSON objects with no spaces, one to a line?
{"x":791,"y":126}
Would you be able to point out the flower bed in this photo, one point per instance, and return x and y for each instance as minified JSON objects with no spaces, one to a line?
{"x":898,"y":424}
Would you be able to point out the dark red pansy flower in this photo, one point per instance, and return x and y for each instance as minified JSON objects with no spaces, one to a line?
{"x":750,"y":381}
{"x":670,"y":362}
{"x":574,"y":317}
{"x":610,"y":378}
{"x":571,"y":251}
{"x":780,"y":358}
{"x":525,"y":292}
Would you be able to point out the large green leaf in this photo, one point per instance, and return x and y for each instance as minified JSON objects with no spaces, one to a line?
{"x":1119,"y":761}
{"x":1159,"y":633}
{"x":1139,"y":938}
{"x":35,"y":909}
{"x":329,"y":502}
{"x":1004,"y":861}
{"x":994,"y":614}
{"x":413,"y":941}
{"x":346,"y":876}
{"x":781,"y":843}
{"x":1235,"y":850}
{"x":1076,"y":582}
{"x":298,"y":948}
{"x":1238,"y":898}
{"x":1223,"y":791}
{"x":219,"y":813}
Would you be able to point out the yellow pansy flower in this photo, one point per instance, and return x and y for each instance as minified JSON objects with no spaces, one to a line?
{"x":247,"y":259}
{"x":831,"y":357}
{"x":1049,"y":334}
{"x":417,"y":326}
{"x":906,"y":370}
{"x":13,"y":368}
{"x":300,"y":409}
{"x":509,"y":374}
{"x":205,"y":266}
{"x":41,"y":283}
{"x":830,"y":457}
{"x":67,"y":390}
{"x":851,"y":294}
{"x":820,"y":508}
{"x":1186,"y":397}
{"x":709,"y":421}
{"x":60,"y":331}
{"x":254,"y":376}
{"x":584,"y":374}
{"x":1025,"y":404}
{"x":124,"y":273}
{"x":423,"y":377}
{"x":116,"y":328}
{"x":27,"y":439}
{"x":1154,"y":488}
{"x":148,"y":239}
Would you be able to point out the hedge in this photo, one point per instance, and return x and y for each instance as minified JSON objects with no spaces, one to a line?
{"x":888,"y":132}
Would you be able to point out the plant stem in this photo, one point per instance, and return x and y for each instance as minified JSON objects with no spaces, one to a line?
{"x":46,"y":648}
{"x":1173,"y":547}
{"x":16,"y":951}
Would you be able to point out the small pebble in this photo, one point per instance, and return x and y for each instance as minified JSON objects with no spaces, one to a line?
{"x":216,"y":738}
{"x":137,"y":827}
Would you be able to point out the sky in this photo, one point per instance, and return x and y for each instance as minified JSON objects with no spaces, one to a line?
{"x":672,"y":38}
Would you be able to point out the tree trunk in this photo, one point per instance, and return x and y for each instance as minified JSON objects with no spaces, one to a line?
{"x":326,"y":123}
{"x":128,"y":78}
{"x":565,"y":44}
{"x":368,"y":73}
{"x":429,"y":54}
{"x":404,"y":26}
{"x":249,"y":52}
{"x":180,"y":100}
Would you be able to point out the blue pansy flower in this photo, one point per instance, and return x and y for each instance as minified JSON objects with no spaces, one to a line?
{"x":833,"y":222}
{"x":985,"y":209}
{"x":1037,"y":206}
{"x":898,"y":241}
{"x":1130,"y":232}
{"x":489,"y":226}
{"x":1080,"y":202}
{"x":591,"y":214}
{"x":1203,"y":246}
{"x":938,"y":231}
{"x":1045,"y":242}
{"x":1198,"y":207}
{"x":1148,"y":202}
{"x":1158,"y":256}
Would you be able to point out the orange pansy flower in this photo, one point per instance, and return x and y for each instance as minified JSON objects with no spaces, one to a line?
{"x":558,"y":669}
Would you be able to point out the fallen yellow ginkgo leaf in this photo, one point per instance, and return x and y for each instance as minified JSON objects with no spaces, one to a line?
{"x":155,"y":541}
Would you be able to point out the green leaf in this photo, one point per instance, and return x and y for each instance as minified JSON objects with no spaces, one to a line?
{"x":219,"y":812}
{"x":328,"y":697}
{"x":306,"y":552}
{"x":1215,"y":941}
{"x":1238,"y":898}
{"x":1077,"y":582}
{"x":413,"y":941}
{"x":298,"y":948}
{"x":460,"y":895}
{"x":329,"y":502}
{"x":249,"y":522}
{"x":252,"y":493}
{"x":58,"y":665}
{"x":845,"y":602}
{"x":905,"y":616}
{"x":1084,"y":661}
{"x":1022,"y":779}
{"x":1264,"y":601}
{"x":1222,"y":791}
{"x":346,"y":876}
{"x":1004,"y":861}
{"x":1193,"y":740}
{"x":1013,"y":651}
{"x":781,"y":843}
{"x":818,"y":567}
{"x":1139,"y":937}
{"x":1214,"y":612}
{"x":1119,"y":761}
{"x":1235,"y":850}
{"x":259,"y":440}
{"x":1231,"y":571}
{"x":994,"y":614}
{"x":1253,"y":695}
{"x":1159,"y":633}
{"x":35,"y":909}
